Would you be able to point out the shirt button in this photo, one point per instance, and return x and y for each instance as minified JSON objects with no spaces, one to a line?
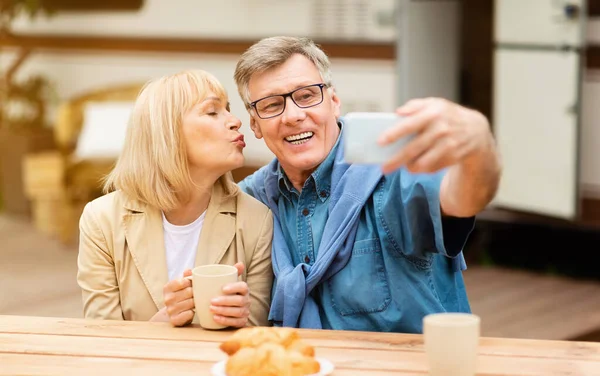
{"x":323,"y":194}
{"x":305,"y":212}
{"x":306,"y":259}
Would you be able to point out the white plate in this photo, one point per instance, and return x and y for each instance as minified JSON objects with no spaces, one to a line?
{"x":326,"y":368}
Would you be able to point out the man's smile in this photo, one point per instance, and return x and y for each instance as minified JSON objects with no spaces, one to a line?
{"x":300,"y":138}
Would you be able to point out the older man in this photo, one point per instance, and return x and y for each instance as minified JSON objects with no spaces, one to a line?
{"x":370,"y":248}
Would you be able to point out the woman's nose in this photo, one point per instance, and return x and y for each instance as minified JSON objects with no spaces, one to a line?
{"x":234,"y":123}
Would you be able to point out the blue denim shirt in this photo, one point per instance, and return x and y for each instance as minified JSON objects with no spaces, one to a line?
{"x":406,"y":260}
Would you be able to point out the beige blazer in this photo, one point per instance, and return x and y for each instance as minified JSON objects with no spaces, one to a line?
{"x":122,"y":265}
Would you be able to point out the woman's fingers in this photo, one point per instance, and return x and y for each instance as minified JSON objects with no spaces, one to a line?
{"x":232,"y":312}
{"x":230,"y":301}
{"x":174,"y":297}
{"x":230,"y":321}
{"x":182,"y":318}
{"x":240,"y":288}
{"x":184,"y":305}
{"x":179,"y":302}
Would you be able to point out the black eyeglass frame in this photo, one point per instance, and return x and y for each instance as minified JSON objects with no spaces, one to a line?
{"x":290,"y":95}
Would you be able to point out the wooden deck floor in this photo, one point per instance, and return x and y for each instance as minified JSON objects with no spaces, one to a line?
{"x":37,"y":274}
{"x":37,"y":277}
{"x":521,"y":304}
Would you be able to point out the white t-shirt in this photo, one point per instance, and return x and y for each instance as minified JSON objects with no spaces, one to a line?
{"x":181,"y":244}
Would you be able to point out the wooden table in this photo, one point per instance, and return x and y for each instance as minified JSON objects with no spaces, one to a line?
{"x":57,"y":346}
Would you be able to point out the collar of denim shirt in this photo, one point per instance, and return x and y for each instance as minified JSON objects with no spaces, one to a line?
{"x":321,"y":177}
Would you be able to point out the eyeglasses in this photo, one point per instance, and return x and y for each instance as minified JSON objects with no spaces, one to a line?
{"x":303,"y":97}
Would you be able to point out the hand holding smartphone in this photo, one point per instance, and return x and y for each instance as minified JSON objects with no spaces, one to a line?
{"x":361,"y":131}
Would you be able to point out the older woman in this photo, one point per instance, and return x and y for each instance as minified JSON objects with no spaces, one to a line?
{"x":170,"y":205}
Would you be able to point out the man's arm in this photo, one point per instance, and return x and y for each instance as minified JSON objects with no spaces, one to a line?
{"x":454,"y":137}
{"x":470,"y":185}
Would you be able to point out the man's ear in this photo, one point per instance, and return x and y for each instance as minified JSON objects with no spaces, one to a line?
{"x":255,"y":127}
{"x":336,"y":103}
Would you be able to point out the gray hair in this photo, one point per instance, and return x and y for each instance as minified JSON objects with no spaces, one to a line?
{"x":272,"y":52}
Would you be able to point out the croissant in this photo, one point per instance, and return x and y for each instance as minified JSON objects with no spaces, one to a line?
{"x":270,"y":359}
{"x":256,"y":336}
{"x":266,"y":351}
{"x":301,"y":347}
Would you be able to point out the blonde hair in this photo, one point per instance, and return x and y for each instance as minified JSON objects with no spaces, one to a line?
{"x":272,"y":52}
{"x":153,"y":165}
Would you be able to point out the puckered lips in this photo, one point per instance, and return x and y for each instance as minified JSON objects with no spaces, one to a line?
{"x":239,"y":141}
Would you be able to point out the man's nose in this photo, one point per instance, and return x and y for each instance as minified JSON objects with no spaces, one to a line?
{"x":292,"y":113}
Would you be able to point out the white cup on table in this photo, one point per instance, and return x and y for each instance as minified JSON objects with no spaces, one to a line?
{"x":207,"y":283}
{"x":451,"y":343}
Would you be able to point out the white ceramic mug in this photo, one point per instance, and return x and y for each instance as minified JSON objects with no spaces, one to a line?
{"x":207,"y":283}
{"x":451,"y":343}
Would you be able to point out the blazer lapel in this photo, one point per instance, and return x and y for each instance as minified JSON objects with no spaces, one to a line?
{"x":145,"y":240}
{"x":218,"y":229}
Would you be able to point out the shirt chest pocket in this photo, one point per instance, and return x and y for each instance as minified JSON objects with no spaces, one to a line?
{"x":361,"y":286}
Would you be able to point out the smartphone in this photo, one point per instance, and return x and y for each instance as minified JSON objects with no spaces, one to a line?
{"x":361,"y":131}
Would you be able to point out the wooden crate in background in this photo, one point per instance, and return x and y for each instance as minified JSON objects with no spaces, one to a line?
{"x":14,"y":145}
{"x":44,"y":180}
{"x":44,"y":174}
